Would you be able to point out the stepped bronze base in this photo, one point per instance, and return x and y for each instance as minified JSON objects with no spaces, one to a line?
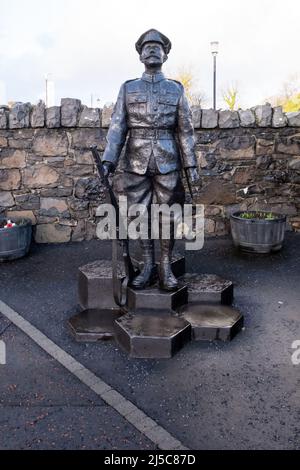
{"x":212,"y":321}
{"x":155,"y":323}
{"x":94,"y":324}
{"x":152,"y":336}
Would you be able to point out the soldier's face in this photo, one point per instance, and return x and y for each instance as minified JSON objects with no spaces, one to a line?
{"x":153,"y":54}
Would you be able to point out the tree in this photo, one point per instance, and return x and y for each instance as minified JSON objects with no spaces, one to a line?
{"x":291,"y":86}
{"x":186,"y":76}
{"x":198,"y":99}
{"x":289,"y":95}
{"x":291,"y":104}
{"x":230,"y":96}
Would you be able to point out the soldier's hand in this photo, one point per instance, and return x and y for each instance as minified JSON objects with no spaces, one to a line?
{"x":108,"y":168}
{"x":193,"y":174}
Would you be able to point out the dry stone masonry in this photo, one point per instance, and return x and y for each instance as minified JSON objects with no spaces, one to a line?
{"x":249,"y":159}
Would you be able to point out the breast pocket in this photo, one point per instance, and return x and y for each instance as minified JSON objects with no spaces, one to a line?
{"x":168,"y":99}
{"x":168,"y":108}
{"x":137,"y":104}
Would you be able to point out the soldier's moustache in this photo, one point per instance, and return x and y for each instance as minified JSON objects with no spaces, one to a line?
{"x":152,"y":55}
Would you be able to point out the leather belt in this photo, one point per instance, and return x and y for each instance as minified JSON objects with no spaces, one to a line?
{"x":150,"y":133}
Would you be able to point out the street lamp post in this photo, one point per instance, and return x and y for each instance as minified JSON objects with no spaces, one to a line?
{"x":49,"y":89}
{"x":46,"y":83}
{"x":214,"y":50}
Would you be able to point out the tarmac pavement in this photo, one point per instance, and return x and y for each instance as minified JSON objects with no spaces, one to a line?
{"x":239,"y":395}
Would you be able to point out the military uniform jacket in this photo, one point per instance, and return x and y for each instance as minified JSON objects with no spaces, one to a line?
{"x":154,"y":114}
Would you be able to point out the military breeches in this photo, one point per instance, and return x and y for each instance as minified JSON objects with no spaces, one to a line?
{"x":152,"y":188}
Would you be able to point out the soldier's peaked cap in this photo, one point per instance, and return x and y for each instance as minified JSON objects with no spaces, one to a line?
{"x":152,"y":35}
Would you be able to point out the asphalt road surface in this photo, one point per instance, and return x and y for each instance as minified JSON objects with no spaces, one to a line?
{"x":239,"y":395}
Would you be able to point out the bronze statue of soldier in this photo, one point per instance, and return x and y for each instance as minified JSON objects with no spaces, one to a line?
{"x":153,"y":117}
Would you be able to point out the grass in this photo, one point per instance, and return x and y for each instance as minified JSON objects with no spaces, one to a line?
{"x":258,"y":215}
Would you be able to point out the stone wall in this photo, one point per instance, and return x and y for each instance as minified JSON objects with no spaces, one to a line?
{"x":249,"y":159}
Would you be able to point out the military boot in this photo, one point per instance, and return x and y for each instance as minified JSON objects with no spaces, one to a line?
{"x":148,"y":273}
{"x":167,"y":280}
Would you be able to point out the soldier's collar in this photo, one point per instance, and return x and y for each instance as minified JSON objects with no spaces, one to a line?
{"x":157,"y":77}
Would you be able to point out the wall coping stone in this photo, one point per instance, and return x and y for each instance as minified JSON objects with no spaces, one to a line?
{"x":72,"y":113}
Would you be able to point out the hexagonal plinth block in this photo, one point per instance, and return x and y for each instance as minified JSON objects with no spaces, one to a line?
{"x":94,"y":324}
{"x":95,"y":289}
{"x":208,"y":288}
{"x":212,"y":321}
{"x":153,"y":298}
{"x":150,"y":336}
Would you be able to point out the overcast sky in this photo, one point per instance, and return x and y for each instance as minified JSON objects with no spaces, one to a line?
{"x":88,"y":45}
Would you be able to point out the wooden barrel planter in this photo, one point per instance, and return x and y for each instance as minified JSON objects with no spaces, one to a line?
{"x":15,"y":241}
{"x":258,"y":231}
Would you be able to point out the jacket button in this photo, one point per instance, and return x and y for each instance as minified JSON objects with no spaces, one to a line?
{"x":154,"y":90}
{"x":155,"y":108}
